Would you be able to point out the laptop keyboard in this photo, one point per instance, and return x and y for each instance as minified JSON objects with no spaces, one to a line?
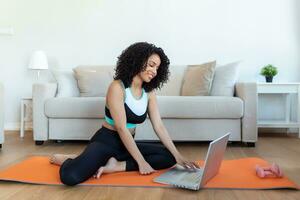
{"x":192,"y":176}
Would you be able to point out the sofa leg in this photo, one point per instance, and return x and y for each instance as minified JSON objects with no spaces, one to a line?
{"x":250,"y":144}
{"x":39,"y":142}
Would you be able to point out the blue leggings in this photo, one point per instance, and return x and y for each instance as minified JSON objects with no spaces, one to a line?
{"x":105,"y":144}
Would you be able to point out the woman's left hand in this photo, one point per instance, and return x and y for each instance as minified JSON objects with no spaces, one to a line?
{"x":186,"y":163}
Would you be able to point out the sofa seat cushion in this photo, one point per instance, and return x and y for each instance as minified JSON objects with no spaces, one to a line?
{"x":203,"y":107}
{"x":75,"y":107}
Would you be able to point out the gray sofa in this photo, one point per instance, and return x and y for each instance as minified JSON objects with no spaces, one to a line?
{"x":187,"y":118}
{"x":1,"y":114}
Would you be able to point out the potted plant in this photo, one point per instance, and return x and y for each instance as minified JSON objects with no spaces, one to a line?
{"x":269,"y":71}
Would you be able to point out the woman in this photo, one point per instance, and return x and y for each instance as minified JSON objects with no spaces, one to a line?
{"x":141,"y":68}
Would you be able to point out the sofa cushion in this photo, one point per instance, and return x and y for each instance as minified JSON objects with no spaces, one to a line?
{"x":224,"y":80}
{"x":198,"y":79}
{"x":173,"y":86}
{"x":75,"y":107}
{"x":66,"y":83}
{"x":205,"y":107}
{"x":93,"y":81}
{"x":200,"y":107}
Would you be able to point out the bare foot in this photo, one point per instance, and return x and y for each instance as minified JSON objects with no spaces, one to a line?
{"x":58,"y":159}
{"x":112,"y":165}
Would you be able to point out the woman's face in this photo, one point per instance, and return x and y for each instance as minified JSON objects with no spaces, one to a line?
{"x":152,"y":66}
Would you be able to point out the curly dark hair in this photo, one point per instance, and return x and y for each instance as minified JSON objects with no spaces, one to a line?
{"x":133,"y":60}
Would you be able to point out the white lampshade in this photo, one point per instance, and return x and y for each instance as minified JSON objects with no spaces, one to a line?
{"x":38,"y":60}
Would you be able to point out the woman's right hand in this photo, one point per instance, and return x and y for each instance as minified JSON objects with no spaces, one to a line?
{"x":145,"y":168}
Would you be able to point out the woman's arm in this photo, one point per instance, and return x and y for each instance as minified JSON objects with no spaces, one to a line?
{"x":158,"y":125}
{"x":115,"y":101}
{"x":162,"y":132}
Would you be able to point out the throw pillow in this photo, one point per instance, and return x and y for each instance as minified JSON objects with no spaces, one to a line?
{"x":225,"y":79}
{"x":66,"y":83}
{"x":92,"y":82}
{"x":197,"y":79}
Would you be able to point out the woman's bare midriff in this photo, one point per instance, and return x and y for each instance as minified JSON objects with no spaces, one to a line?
{"x":106,"y":125}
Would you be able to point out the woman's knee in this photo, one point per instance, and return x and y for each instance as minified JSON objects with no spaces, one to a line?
{"x":167,"y":159}
{"x":75,"y":171}
{"x":170,"y":161}
{"x":69,"y":180}
{"x":68,"y":176}
{"x":168,"y":154}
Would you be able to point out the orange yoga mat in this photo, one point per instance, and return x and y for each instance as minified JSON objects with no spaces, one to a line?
{"x":234,"y":174}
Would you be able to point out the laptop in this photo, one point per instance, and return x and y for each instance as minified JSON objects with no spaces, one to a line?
{"x":195,"y":179}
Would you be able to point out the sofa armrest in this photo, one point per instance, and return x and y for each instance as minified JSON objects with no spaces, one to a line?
{"x":1,"y":114}
{"x":247,"y":91}
{"x":40,"y":93}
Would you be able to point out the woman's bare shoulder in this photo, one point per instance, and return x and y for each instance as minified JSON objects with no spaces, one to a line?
{"x":116,"y":87}
{"x":152,"y":94}
{"x":115,"y":84}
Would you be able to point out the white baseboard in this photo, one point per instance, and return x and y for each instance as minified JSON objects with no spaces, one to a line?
{"x":278,"y":130}
{"x":15,"y":126}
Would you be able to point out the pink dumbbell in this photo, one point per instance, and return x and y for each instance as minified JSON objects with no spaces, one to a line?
{"x":270,"y":171}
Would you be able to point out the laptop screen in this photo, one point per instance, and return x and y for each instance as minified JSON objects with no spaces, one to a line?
{"x":214,"y":158}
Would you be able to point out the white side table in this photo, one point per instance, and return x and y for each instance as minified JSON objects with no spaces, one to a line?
{"x":26,"y":113}
{"x":281,"y":88}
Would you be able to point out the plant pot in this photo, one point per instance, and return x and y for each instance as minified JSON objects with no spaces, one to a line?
{"x":269,"y":79}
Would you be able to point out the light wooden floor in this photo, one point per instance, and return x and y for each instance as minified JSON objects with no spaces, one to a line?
{"x":282,"y":149}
